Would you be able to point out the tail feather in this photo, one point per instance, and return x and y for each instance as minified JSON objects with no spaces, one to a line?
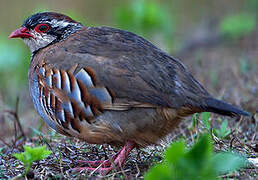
{"x":223,"y":108}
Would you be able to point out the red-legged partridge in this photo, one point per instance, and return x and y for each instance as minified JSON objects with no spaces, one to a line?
{"x":105,"y":85}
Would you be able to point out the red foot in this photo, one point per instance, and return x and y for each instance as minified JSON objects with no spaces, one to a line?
{"x":104,"y":167}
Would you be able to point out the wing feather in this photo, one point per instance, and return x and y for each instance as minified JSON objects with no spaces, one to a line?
{"x":70,"y":97}
{"x":132,"y":67}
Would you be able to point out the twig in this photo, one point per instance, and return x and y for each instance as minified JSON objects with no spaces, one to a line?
{"x":138,"y":171}
{"x":3,"y":141}
{"x":16,"y":117}
{"x":15,"y":131}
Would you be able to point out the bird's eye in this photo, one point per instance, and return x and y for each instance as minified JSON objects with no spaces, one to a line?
{"x":41,"y":28}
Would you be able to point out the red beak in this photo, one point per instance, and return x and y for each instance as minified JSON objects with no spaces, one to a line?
{"x":22,"y":32}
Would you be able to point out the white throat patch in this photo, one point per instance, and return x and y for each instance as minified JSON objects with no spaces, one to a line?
{"x":40,"y":40}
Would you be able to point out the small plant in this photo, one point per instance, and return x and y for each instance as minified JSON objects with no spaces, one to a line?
{"x":195,"y":120}
{"x":199,"y":162}
{"x":237,"y":26}
{"x":206,"y":120}
{"x":32,"y":154}
{"x":223,"y":131}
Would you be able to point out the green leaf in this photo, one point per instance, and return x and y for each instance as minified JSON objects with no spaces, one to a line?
{"x":195,"y":118}
{"x":32,"y":154}
{"x":227,"y":161}
{"x":175,"y":152}
{"x":205,"y":120}
{"x":200,"y":152}
{"x":159,"y":172}
{"x":20,"y":156}
{"x":223,"y":131}
{"x":197,"y":163}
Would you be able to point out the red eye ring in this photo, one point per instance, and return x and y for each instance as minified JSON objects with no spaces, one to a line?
{"x":42,"y":28}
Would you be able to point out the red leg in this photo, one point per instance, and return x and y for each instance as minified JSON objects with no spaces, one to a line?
{"x":106,"y":166}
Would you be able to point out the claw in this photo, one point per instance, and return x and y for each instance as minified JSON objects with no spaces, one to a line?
{"x":104,"y":167}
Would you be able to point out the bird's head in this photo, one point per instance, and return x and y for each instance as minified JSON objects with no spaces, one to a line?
{"x":42,"y":29}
